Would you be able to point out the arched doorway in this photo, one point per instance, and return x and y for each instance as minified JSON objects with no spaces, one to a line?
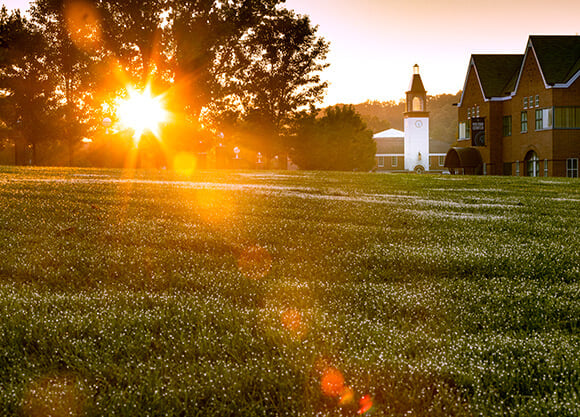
{"x":532,"y":164}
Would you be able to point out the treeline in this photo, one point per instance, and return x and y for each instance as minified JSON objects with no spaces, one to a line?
{"x":383,"y":115}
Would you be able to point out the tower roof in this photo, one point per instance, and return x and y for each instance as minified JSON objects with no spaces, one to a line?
{"x":416,"y":82}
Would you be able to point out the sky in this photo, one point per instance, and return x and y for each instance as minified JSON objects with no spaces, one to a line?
{"x":375,"y":43}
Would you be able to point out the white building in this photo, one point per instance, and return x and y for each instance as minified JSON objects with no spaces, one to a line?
{"x":410,"y":151}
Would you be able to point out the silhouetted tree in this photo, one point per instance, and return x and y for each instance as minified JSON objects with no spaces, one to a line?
{"x":73,"y":38}
{"x":213,"y":59}
{"x":285,"y":58}
{"x":27,"y":105}
{"x":337,"y":141}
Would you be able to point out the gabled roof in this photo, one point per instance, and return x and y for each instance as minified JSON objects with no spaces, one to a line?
{"x":499,"y":76}
{"x":390,"y":133}
{"x":497,"y":73}
{"x":558,"y":57}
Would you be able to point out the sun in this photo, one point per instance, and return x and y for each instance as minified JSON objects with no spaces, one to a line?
{"x":142,"y":112}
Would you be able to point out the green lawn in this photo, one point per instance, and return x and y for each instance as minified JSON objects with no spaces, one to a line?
{"x":287,"y":293}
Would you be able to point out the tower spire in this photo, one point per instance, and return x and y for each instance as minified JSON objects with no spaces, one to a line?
{"x":417,"y":95}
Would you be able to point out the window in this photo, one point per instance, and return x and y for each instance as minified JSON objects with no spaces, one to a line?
{"x":469,"y":112}
{"x":462,"y":131}
{"x":544,"y":118}
{"x":477,"y":111}
{"x":525,"y":102}
{"x":394,"y":161}
{"x":539,"y":120}
{"x":484,"y":168}
{"x":507,"y":126}
{"x":468,"y":129}
{"x":381,"y":161}
{"x":441,"y":160}
{"x":517,"y":168}
{"x":524,"y":121}
{"x":537,"y":100}
{"x":533,"y":164}
{"x":417,"y":104}
{"x":545,"y":167}
{"x":567,"y":117}
{"x":572,"y":167}
{"x":507,"y":168}
{"x":531,"y":101}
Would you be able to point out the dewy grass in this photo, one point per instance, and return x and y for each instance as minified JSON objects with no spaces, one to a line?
{"x":300,"y":294}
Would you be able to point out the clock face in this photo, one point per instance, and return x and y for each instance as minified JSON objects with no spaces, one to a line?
{"x":419,"y":123}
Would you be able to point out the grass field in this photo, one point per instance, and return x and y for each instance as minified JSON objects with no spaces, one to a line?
{"x":299,"y":294}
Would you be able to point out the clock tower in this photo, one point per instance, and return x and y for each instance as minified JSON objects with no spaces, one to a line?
{"x":416,"y":126}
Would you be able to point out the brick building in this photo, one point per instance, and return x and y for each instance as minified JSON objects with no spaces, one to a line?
{"x":520,"y":114}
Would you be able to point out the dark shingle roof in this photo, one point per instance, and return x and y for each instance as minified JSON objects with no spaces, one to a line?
{"x":438,"y":146}
{"x":390,"y":146}
{"x":498,"y":73}
{"x":559,"y":57}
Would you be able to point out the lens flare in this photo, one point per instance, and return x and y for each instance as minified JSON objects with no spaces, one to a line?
{"x":332,"y":382}
{"x":347,"y":396}
{"x":184,"y":163}
{"x":54,"y":396}
{"x":292,"y":320}
{"x":142,"y":112}
{"x":365,"y":403}
{"x":255,"y":262}
{"x":83,"y":24}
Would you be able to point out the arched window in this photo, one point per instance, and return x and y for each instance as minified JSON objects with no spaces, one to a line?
{"x":533,"y":164}
{"x":417,"y":104}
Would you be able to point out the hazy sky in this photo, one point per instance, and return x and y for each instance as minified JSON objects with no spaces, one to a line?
{"x":375,"y":43}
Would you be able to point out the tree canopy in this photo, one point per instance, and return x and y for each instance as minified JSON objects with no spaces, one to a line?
{"x":234,"y":66}
{"x":339,"y":141}
{"x":27,"y":103}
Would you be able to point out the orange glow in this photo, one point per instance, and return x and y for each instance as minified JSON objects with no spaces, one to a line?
{"x":54,"y":396}
{"x":83,"y":24}
{"x":184,"y":163}
{"x":212,"y":206}
{"x":347,"y":396}
{"x":141,"y":112}
{"x":255,"y":262}
{"x":292,"y":319}
{"x":332,"y":382}
{"x":365,"y":403}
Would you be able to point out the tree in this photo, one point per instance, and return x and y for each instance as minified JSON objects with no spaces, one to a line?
{"x":285,"y":58}
{"x":72,"y":34}
{"x":337,"y":141}
{"x":26,"y":103}
{"x":226,"y":65}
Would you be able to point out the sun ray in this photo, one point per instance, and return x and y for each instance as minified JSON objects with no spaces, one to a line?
{"x":142,"y":112}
